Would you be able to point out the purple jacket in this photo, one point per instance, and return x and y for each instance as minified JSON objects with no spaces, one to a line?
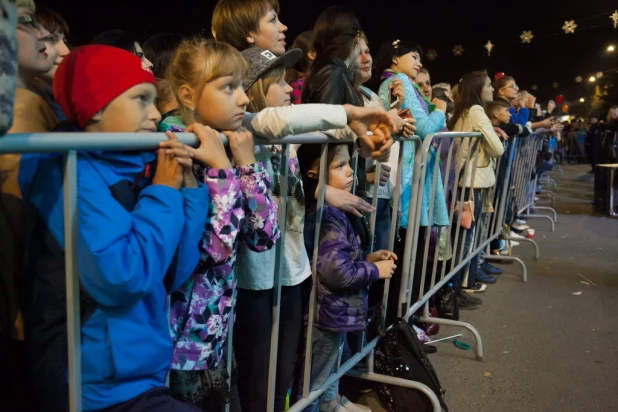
{"x":344,"y":275}
{"x":201,"y":311}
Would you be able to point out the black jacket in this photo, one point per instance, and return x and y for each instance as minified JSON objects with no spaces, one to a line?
{"x":331,"y":82}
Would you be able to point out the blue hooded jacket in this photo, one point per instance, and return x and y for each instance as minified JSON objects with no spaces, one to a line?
{"x":136,"y":243}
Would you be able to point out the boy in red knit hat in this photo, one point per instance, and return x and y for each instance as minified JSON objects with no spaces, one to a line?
{"x":140,"y":217}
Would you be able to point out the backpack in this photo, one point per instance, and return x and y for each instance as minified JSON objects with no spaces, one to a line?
{"x":400,"y":347}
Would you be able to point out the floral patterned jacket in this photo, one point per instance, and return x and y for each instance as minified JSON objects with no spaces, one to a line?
{"x":201,"y":311}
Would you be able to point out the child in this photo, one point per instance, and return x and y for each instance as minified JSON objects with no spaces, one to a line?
{"x":266,"y":87}
{"x":344,"y":269}
{"x":500,"y":116}
{"x":139,"y":224}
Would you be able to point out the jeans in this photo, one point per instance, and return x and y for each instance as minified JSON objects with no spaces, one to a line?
{"x":326,"y":346}
{"x":252,"y":333}
{"x":383,"y":223}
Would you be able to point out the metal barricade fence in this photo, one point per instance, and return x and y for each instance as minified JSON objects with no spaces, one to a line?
{"x":71,"y":143}
{"x":442,"y":151}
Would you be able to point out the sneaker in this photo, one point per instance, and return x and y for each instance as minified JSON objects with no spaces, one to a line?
{"x":521,"y":221}
{"x":476,"y":288}
{"x":520,"y":226}
{"x":485,"y":278}
{"x":490,"y":269}
{"x":467,"y":302}
{"x":515,"y":235}
{"x":514,"y":243}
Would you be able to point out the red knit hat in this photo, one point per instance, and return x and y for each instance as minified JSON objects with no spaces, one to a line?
{"x":90,"y":77}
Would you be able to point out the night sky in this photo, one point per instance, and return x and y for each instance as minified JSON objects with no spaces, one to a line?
{"x":437,"y":24}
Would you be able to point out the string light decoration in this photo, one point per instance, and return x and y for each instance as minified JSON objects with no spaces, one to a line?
{"x":432,"y":54}
{"x":569,"y":26}
{"x":555,"y":85}
{"x":526,"y":37}
{"x":489,"y":46}
{"x":614,"y":18}
{"x":458,"y":50}
{"x":535,"y":87}
{"x":579,"y":79}
{"x":599,"y":75}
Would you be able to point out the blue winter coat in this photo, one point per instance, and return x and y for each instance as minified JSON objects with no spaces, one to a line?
{"x":136,"y":242}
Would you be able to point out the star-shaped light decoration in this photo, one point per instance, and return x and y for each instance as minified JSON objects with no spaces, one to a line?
{"x":579,"y":79}
{"x":526,"y":37}
{"x":535,"y":87}
{"x":555,"y":85}
{"x":599,"y":75}
{"x":432,"y":54}
{"x":458,"y":50}
{"x":489,"y":46}
{"x":614,"y":18}
{"x":569,"y":26}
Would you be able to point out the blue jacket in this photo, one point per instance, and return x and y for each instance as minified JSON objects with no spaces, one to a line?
{"x":522,"y":117}
{"x":136,"y":243}
{"x":344,"y":275}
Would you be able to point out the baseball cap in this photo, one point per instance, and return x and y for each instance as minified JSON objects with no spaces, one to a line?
{"x":262,"y":60}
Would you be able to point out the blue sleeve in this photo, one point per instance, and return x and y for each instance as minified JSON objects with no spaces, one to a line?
{"x":121,"y":256}
{"x":425,"y":124}
{"x":196,"y":203}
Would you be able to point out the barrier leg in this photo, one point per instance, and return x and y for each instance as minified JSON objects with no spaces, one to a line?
{"x":553,"y":225}
{"x":459,"y":324}
{"x":374,"y":377}
{"x":537,"y":254}
{"x":551,"y":209}
{"x":524,"y":275}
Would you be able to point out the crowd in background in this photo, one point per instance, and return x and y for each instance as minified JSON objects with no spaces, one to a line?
{"x":191,"y":231}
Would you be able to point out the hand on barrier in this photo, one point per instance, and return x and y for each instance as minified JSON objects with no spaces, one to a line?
{"x":386,"y":268}
{"x":172,"y":158}
{"x":211,"y":151}
{"x":381,"y":255}
{"x":385,"y":174}
{"x":373,"y":128}
{"x":242,"y":146}
{"x":501,"y":134}
{"x":347,"y":202}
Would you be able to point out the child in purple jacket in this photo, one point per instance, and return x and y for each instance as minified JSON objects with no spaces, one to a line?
{"x":344,"y":269}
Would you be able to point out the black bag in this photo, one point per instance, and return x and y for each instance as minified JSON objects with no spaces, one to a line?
{"x":400,"y":354}
{"x":446,"y":303}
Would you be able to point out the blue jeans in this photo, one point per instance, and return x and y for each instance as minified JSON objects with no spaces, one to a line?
{"x":326,"y":346}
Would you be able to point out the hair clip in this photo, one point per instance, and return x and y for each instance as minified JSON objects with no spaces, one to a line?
{"x":396,"y":44}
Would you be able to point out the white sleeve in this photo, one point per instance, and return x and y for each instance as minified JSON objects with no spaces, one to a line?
{"x":278,"y":122}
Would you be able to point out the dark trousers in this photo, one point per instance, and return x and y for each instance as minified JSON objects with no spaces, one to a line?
{"x":383,"y":224}
{"x":252,"y":336}
{"x":154,"y":400}
{"x":16,"y":393}
{"x":395,"y":284}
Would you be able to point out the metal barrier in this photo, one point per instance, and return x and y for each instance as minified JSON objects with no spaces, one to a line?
{"x":433,"y":276}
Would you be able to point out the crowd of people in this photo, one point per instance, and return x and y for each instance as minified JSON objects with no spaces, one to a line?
{"x":177,"y":246}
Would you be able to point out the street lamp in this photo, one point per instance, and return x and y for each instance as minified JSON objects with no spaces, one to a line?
{"x":611,"y":48}
{"x":582,"y":100}
{"x":592,"y":79}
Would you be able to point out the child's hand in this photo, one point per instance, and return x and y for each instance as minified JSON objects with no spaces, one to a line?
{"x":172,"y":159}
{"x":381,"y":255}
{"x":243,"y":148}
{"x":211,"y":151}
{"x":386,"y":268}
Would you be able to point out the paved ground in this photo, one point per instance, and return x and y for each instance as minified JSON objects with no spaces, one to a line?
{"x":546,"y":349}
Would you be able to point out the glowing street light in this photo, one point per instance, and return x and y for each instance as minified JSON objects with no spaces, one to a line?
{"x":582,"y":100}
{"x":611,"y":48}
{"x":592,"y":79}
